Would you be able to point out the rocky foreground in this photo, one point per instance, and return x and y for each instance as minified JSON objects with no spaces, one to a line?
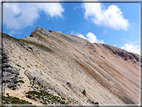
{"x":49,"y":67}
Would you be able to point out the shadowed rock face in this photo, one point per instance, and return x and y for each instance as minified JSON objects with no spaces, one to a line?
{"x":122,"y":53}
{"x":66,"y":66}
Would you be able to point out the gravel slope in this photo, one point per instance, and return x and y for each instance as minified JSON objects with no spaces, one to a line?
{"x":65,"y":65}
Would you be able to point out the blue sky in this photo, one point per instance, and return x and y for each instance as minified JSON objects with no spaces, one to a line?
{"x":115,"y":24}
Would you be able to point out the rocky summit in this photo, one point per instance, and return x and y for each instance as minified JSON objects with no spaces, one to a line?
{"x":50,"y":67}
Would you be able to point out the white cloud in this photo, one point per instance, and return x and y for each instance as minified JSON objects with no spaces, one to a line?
{"x":131,"y":48}
{"x":52,"y":9}
{"x":80,"y":35}
{"x":114,"y":45}
{"x":20,"y":15}
{"x":110,"y":17}
{"x":90,"y":36}
{"x":13,"y":32}
{"x":105,"y":32}
{"x":59,"y":31}
{"x":76,"y":7}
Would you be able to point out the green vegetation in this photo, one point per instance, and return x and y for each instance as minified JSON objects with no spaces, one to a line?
{"x":13,"y":87}
{"x":45,"y":97}
{"x":7,"y":36}
{"x":13,"y":100}
{"x":29,"y":42}
{"x":28,"y":66}
{"x":19,"y":57}
{"x":18,"y":65}
{"x":37,"y":45}
{"x":21,"y":81}
{"x":40,"y":93}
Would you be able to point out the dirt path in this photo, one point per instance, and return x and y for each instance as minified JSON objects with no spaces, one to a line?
{"x":24,"y":87}
{"x":21,"y":96}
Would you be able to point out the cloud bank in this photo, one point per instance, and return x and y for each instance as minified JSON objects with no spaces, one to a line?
{"x":21,"y":15}
{"x":89,"y":36}
{"x":131,"y":48}
{"x":107,"y":17}
{"x":93,"y":39}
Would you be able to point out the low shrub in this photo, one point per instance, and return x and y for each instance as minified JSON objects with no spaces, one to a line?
{"x":18,"y":65}
{"x":13,"y":100}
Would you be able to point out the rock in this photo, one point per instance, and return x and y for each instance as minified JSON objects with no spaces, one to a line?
{"x":122,"y":53}
{"x":44,"y":31}
{"x":69,"y":84}
{"x":30,"y":47}
{"x":96,"y":103}
{"x":50,"y":31}
{"x":84,"y":92}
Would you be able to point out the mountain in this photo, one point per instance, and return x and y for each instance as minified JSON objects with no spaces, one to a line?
{"x":50,"y":67}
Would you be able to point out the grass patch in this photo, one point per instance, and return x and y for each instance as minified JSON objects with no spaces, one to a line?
{"x":28,"y":42}
{"x":37,"y":45}
{"x":13,"y":100}
{"x":45,"y":97}
{"x":8,"y":37}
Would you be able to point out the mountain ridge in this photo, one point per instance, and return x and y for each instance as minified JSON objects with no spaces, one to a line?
{"x":67,"y":65}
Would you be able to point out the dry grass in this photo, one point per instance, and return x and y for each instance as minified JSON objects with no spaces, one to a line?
{"x":37,"y":45}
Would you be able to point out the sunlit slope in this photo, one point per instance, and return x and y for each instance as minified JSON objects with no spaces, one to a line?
{"x":66,"y":65}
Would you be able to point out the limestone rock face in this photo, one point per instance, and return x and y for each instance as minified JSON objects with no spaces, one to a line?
{"x":71,"y":68}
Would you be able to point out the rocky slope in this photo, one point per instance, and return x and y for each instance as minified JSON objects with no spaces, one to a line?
{"x":49,"y":67}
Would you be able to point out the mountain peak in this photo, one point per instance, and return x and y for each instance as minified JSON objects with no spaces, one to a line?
{"x":38,"y":31}
{"x":58,"y":68}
